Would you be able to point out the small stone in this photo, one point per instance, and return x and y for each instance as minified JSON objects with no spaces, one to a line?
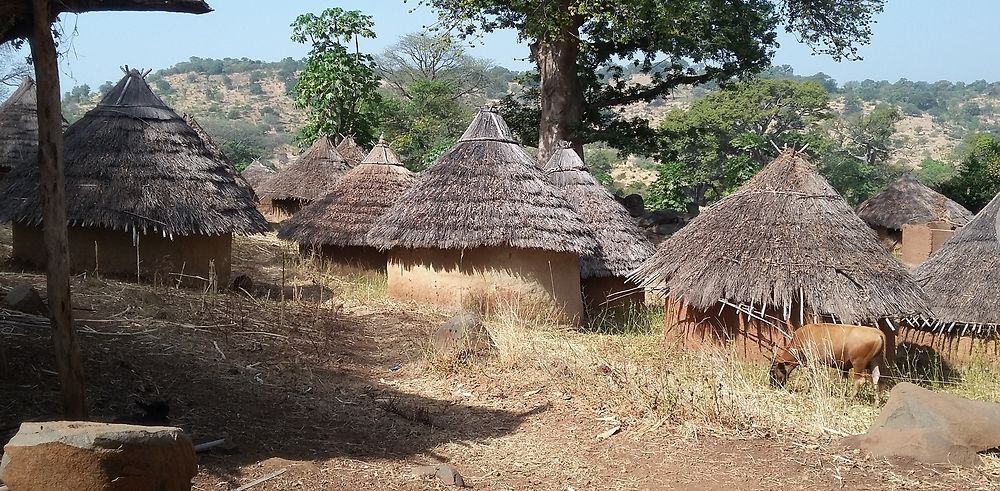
{"x":24,"y":298}
{"x":241,"y":283}
{"x":449,"y":475}
{"x":462,"y":334}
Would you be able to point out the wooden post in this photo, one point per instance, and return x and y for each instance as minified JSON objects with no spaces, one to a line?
{"x":53,"y":192}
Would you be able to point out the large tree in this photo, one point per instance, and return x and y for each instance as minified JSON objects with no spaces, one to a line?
{"x":582,"y":48}
{"x":421,"y":57}
{"x":338,"y":87}
{"x":714,"y":146}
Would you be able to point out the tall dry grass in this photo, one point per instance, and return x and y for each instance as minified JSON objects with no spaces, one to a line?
{"x":645,"y":381}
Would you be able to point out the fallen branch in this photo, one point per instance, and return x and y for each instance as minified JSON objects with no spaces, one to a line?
{"x":201,"y":447}
{"x":261,"y":480}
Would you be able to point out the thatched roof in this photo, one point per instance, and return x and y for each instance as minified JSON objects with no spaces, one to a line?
{"x":907,"y":200}
{"x":962,"y":278}
{"x":483,"y":192}
{"x":622,"y":247}
{"x":19,"y":127}
{"x":133,"y":164}
{"x":217,"y":153}
{"x":345,"y":215}
{"x":257,"y":173}
{"x":351,"y":151}
{"x":310,"y":177}
{"x":784,"y":235}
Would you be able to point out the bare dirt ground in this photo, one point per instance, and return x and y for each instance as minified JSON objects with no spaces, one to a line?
{"x":339,"y":394}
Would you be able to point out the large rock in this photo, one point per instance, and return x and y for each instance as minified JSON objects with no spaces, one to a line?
{"x":70,"y":455}
{"x":931,"y":427}
{"x":462,"y":334}
{"x":24,"y":298}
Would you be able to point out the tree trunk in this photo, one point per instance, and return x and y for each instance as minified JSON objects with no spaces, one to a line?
{"x":53,"y":191}
{"x":562,"y":100}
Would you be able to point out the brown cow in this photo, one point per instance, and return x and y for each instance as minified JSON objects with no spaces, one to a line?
{"x":850,"y":348}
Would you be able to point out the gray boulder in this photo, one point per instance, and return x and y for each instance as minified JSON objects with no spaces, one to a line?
{"x":24,"y":298}
{"x":70,"y":455}
{"x":931,"y":427}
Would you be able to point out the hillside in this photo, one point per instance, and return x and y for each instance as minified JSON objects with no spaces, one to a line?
{"x":247,"y":107}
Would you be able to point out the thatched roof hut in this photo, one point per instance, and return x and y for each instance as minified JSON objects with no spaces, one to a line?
{"x":622,"y":246}
{"x":962,"y":279}
{"x":485,"y":200}
{"x":912,"y":219}
{"x":307,"y":179}
{"x":909,"y":201}
{"x":257,"y":173}
{"x":351,"y":151}
{"x":217,"y":153}
{"x":784,"y":249}
{"x":338,"y":223}
{"x":135,"y":171}
{"x":18,"y":128}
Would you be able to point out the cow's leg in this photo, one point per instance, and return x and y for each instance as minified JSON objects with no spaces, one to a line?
{"x":858,"y":374}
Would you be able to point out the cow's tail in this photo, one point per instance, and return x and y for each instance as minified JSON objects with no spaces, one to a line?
{"x":880,"y":370}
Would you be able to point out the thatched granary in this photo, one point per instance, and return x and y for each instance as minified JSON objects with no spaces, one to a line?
{"x":483,"y":226}
{"x":19,"y":128}
{"x":307,"y":179}
{"x":783,"y":250}
{"x":144,"y":195}
{"x":351,"y":151}
{"x":962,"y":279}
{"x":622,"y":246}
{"x":927,"y":216}
{"x":336,"y":225}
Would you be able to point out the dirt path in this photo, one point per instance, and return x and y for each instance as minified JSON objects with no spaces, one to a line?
{"x":342,"y":398}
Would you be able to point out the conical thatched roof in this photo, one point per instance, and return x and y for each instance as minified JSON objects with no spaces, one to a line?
{"x":345,"y":215}
{"x":483,"y":192}
{"x":19,"y":127}
{"x":962,"y":278}
{"x":351,"y":151}
{"x":310,"y":177}
{"x":622,"y":247}
{"x":257,"y":173}
{"x":907,"y":200}
{"x":784,"y":234}
{"x":217,"y":153}
{"x":133,"y":164}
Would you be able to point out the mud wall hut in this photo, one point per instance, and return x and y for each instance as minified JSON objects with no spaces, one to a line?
{"x":927,"y":216}
{"x":336,"y":226}
{"x":351,"y":151}
{"x":621,"y":245}
{"x":305,"y":180}
{"x":783,"y":250}
{"x":19,"y":128}
{"x":482,"y":227}
{"x":962,"y":279}
{"x":144,"y":195}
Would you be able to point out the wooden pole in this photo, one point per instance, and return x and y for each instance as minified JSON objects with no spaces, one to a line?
{"x":53,"y":191}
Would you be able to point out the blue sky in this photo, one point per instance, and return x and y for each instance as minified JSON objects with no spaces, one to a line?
{"x":915,"y":39}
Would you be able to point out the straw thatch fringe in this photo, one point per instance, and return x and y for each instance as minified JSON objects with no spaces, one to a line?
{"x":483,"y":192}
{"x":310,"y":177}
{"x":257,"y":174}
{"x":622,"y":247}
{"x":133,"y":164}
{"x":351,"y":151}
{"x":786,"y":240}
{"x":962,"y":278}
{"x":345,"y":215}
{"x":19,"y":127}
{"x":907,"y":200}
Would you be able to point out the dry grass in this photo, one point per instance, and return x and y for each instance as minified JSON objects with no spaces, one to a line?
{"x":647,"y":382}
